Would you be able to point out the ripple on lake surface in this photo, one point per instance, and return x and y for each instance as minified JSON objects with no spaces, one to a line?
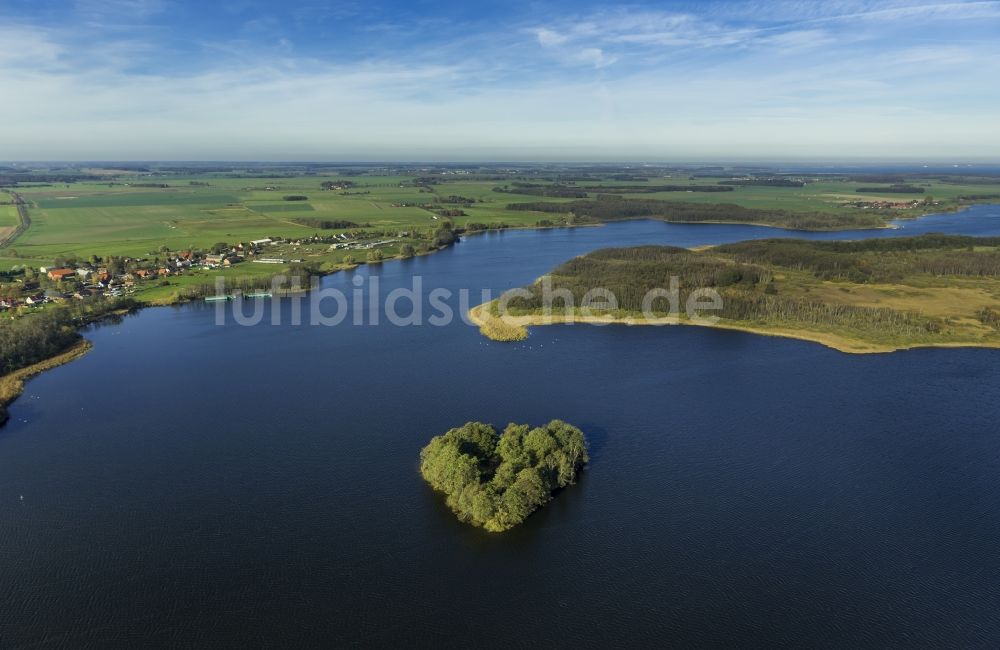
{"x":188,"y":484}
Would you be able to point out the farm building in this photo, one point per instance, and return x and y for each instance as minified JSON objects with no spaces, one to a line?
{"x":58,"y":275}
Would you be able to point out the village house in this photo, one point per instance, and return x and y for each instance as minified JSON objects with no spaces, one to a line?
{"x":58,"y":275}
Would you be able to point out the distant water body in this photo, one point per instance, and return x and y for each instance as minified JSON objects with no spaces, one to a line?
{"x":188,"y":484}
{"x":965,"y":169}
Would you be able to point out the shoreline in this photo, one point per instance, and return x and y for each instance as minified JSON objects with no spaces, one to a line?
{"x":518,"y":326}
{"x":12,"y":384}
{"x":178,"y":300}
{"x":181,"y":300}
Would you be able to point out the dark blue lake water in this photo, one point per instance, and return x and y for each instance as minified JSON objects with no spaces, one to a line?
{"x":195,"y":485}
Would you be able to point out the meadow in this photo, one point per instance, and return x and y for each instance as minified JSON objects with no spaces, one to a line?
{"x":873,"y":295}
{"x":8,"y":214}
{"x":129,"y":214}
{"x":8,"y":219}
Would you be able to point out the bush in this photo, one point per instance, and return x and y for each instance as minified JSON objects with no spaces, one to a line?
{"x":444,"y":237}
{"x":989,"y":317}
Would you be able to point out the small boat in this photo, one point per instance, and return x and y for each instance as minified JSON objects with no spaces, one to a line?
{"x":217,"y":298}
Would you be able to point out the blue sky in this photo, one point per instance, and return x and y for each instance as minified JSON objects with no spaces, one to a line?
{"x":245,"y":79}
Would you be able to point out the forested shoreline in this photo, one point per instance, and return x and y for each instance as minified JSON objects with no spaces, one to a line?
{"x":606,"y":208}
{"x":34,"y":338}
{"x":933,"y":289}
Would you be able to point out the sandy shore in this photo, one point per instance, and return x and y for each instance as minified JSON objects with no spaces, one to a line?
{"x":481,"y":317}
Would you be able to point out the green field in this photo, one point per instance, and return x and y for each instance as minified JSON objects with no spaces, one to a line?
{"x":873,"y":295}
{"x":196,"y":210}
{"x":8,"y":215}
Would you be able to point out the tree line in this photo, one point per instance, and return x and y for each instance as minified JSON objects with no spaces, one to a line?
{"x":554,"y":191}
{"x":326,"y":224}
{"x":34,"y":337}
{"x":615,"y":208}
{"x":764,"y":182}
{"x":876,"y":260}
{"x":744,"y":275}
{"x":892,"y":189}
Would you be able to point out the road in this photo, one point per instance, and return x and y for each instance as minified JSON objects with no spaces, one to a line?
{"x":22,"y":213}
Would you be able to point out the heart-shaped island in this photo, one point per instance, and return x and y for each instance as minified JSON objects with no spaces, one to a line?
{"x":496,"y":480}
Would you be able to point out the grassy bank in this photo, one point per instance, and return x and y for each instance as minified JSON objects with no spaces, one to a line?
{"x":869,"y":296}
{"x":508,"y":329}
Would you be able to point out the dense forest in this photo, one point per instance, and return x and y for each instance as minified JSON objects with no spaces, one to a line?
{"x":615,"y":208}
{"x":875,"y":260}
{"x":631,"y":273}
{"x":496,"y":480}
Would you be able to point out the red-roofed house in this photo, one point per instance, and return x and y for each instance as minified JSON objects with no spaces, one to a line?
{"x":59,"y":275}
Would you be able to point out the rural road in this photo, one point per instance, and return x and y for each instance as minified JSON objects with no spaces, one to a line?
{"x":22,"y":213}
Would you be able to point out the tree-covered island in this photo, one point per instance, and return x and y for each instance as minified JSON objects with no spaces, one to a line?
{"x":495,"y":480}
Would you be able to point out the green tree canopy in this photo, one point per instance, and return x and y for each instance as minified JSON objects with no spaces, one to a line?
{"x":496,"y":480}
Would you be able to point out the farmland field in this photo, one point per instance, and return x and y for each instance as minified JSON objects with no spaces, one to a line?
{"x":8,"y":215}
{"x":135,"y":215}
{"x":9,"y":218}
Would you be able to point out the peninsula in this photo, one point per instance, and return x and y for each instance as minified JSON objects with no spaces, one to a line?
{"x":875,"y":295}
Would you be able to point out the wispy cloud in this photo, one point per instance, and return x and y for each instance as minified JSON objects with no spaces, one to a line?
{"x":563,"y":48}
{"x":845,"y":78}
{"x":775,"y":25}
{"x":28,"y":47}
{"x":122,"y":9}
